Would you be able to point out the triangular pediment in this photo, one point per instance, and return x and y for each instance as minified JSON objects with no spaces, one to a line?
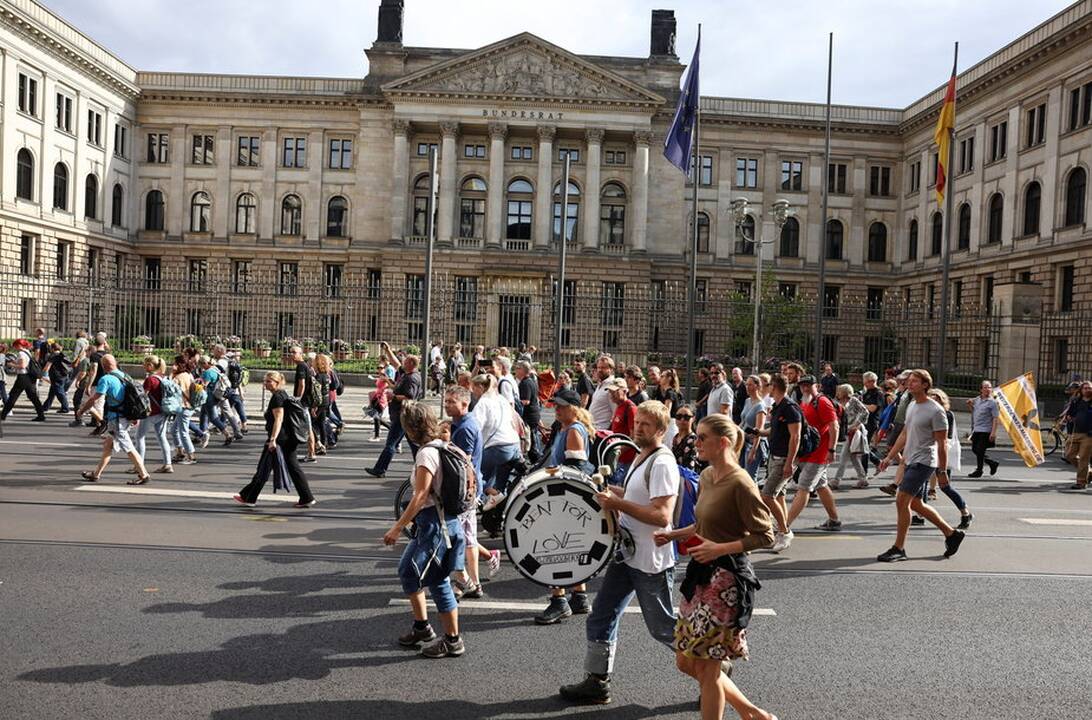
{"x":526,"y":68}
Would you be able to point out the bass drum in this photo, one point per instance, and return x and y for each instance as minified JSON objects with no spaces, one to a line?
{"x":555,"y":532}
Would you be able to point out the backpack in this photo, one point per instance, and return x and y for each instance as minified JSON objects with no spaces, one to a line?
{"x":34,"y":368}
{"x":809,"y":435}
{"x":219,"y":388}
{"x":685,"y":507}
{"x":171,"y":396}
{"x":135,"y":404}
{"x":457,"y":483}
{"x":198,"y":394}
{"x":234,"y":373}
{"x":297,"y":421}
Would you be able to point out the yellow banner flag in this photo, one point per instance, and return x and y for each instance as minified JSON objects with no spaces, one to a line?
{"x":1019,"y":413}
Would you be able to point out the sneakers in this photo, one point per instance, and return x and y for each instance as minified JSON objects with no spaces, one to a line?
{"x":228,"y":440}
{"x":494,"y":563}
{"x":580,"y":603}
{"x":830,"y":525}
{"x":861,"y":484}
{"x":239,"y":499}
{"x":976,"y":474}
{"x":894,"y":554}
{"x":591,"y":691}
{"x":302,"y":505}
{"x":188,"y":460}
{"x":492,"y":502}
{"x":375,"y":473}
{"x":38,"y":418}
{"x":993,"y":467}
{"x":917,"y":520}
{"x":890,"y":489}
{"x":835,"y":484}
{"x":782,"y":541}
{"x":205,"y":440}
{"x":446,"y":646}
{"x":415,"y":637}
{"x":555,"y":612}
{"x":952,"y":543}
{"x":165,"y":469}
{"x":472,"y":592}
{"x":75,"y":423}
{"x":965,"y":521}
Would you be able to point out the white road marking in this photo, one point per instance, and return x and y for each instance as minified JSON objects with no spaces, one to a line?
{"x":531,"y":607}
{"x":47,"y":444}
{"x":1056,"y":521}
{"x":144,"y":490}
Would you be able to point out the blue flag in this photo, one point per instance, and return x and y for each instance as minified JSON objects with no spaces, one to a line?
{"x":677,"y":144}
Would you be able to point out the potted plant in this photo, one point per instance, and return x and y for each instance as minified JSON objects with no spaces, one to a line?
{"x":341,"y":349}
{"x":412,"y":349}
{"x":142,"y":345}
{"x":188,"y":341}
{"x":308,"y":344}
{"x":234,"y":343}
{"x":287,"y":344}
{"x":360,"y":350}
{"x":211,"y":340}
{"x":262,"y":349}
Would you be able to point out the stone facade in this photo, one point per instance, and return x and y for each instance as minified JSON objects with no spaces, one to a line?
{"x":506,"y":113}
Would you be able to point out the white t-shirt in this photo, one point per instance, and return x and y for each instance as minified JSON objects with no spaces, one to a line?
{"x":663,"y":481}
{"x":601,"y":408}
{"x":494,"y":414}
{"x":22,"y":363}
{"x":721,"y":395}
{"x":428,"y":456}
{"x":506,"y":386}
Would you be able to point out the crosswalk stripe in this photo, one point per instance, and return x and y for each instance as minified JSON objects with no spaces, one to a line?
{"x":168,"y":492}
{"x":532,"y":607}
{"x":1056,"y":521}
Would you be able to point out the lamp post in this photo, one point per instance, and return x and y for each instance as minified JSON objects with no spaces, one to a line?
{"x":780,"y":210}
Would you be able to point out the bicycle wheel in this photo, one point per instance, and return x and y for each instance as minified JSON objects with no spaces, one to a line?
{"x":401,"y":502}
{"x":1052,"y":440}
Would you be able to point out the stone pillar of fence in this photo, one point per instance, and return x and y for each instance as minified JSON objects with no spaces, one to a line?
{"x":1019,"y":311}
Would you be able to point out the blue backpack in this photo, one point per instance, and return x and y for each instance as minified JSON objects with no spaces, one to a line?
{"x":685,"y":504}
{"x":171,"y":394}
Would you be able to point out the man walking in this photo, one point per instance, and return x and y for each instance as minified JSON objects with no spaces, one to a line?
{"x":819,"y":412}
{"x":784,"y":433}
{"x":111,"y":387}
{"x":408,"y":387}
{"x":645,"y":505}
{"x":924,"y":447}
{"x":585,"y":387}
{"x":601,"y":406}
{"x":721,"y":395}
{"x":529,"y":406}
{"x":984,"y":419}
{"x":1079,"y":412}
{"x":27,"y":374}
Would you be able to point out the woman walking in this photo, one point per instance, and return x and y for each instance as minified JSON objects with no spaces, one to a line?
{"x":855,"y":448}
{"x":500,"y":441}
{"x":155,"y":370}
{"x":683,"y":445}
{"x":185,"y":454}
{"x":280,"y":448}
{"x":718,"y":591}
{"x":753,"y":419}
{"x":954,"y":463}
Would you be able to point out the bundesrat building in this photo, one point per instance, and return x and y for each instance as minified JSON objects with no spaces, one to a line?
{"x":109,"y":171}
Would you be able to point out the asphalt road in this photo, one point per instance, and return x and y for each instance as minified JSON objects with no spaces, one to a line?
{"x":139,"y":605}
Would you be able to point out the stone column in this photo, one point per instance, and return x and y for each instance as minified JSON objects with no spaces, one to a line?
{"x":399,"y":178}
{"x":495,"y":197}
{"x":445,"y":220}
{"x":591,"y":189}
{"x":544,"y":190}
{"x":642,"y":138}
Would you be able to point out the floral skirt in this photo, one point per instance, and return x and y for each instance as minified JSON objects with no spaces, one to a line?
{"x":706,"y":628}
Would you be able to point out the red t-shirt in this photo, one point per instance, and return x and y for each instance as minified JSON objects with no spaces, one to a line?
{"x":154,"y":389}
{"x":625,"y":416}
{"x":820,"y":418}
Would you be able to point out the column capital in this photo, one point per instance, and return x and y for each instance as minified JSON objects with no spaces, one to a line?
{"x":498,"y":130}
{"x":400,"y":126}
{"x":546,"y":132}
{"x":594,"y":136}
{"x":643,"y":137}
{"x":449,"y":128}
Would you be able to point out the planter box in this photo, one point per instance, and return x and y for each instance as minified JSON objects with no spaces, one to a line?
{"x":142,"y":349}
{"x":360,"y":354}
{"x":263,"y":352}
{"x":341,"y":354}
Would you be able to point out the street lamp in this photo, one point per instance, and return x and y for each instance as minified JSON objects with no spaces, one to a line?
{"x":780,"y":210}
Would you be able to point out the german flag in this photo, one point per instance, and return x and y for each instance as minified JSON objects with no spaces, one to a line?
{"x":943,"y":137}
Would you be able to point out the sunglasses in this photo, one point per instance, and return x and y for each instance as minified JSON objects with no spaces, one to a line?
{"x":684,"y":416}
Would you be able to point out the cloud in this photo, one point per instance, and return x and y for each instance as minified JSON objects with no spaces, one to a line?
{"x":885,"y":54}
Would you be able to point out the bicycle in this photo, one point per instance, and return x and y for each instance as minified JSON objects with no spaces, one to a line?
{"x":1054,"y":437}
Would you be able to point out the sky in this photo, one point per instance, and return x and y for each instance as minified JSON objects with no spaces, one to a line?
{"x":886,"y":54}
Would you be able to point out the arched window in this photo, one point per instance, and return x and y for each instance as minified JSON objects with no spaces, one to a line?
{"x":337,"y":217}
{"x":520,"y":205}
{"x":291,"y":215}
{"x":117,"y":209}
{"x":1074,"y":197}
{"x":420,"y":205}
{"x":24,"y":175}
{"x":154,"y":210}
{"x":912,"y":241}
{"x":993,"y":227}
{"x":246,"y":214}
{"x":963,"y":237}
{"x":877,"y":242}
{"x":572,"y":212}
{"x":937,"y":237}
{"x":703,"y":233}
{"x":91,"y":197}
{"x":472,"y":208}
{"x":60,"y":186}
{"x":835,"y":236}
{"x":612,"y":215}
{"x":790,"y":238}
{"x":745,"y":236}
{"x":200,"y":211}
{"x":1032,"y":196}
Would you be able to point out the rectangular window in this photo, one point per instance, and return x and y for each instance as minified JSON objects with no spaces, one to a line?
{"x":966,"y":154}
{"x":121,"y":140}
{"x":612,"y":313}
{"x":240,"y":277}
{"x":473,"y":152}
{"x":60,"y":317}
{"x":1065,"y":288}
{"x":466,"y":308}
{"x":830,"y":348}
{"x":414,"y":307}
{"x":568,"y":311}
{"x":571,"y":153}
{"x":94,"y":127}
{"x":471,"y":218}
{"x":202,"y":150}
{"x":701,"y":294}
{"x":930,"y":300}
{"x":158,"y":147}
{"x":1061,"y":356}
{"x":1080,"y":106}
{"x":28,"y":95}
{"x":831,"y":295}
{"x":152,"y":273}
{"x":743,"y":289}
{"x":616,"y":157}
{"x":879,"y":181}
{"x":288,"y":279}
{"x":64,"y":258}
{"x":746,"y":172}
{"x":706,"y":165}
{"x":239,"y":324}
{"x":999,"y":137}
{"x":26,"y":314}
{"x":94,"y":261}
{"x":198,"y":274}
{"x":341,"y":154}
{"x":294,"y":152}
{"x":792,"y":175}
{"x":424,"y":148}
{"x":332,"y":273}
{"x":874,"y":307}
{"x":375,"y":282}
{"x":836,"y":178}
{"x":27,"y":247}
{"x":934,"y":159}
{"x":250,"y":148}
{"x":957,"y":298}
{"x":987,"y":294}
{"x":64,"y":113}
{"x":787,"y":290}
{"x":1036,"y":125}
{"x":915,"y":176}
{"x":286,"y":323}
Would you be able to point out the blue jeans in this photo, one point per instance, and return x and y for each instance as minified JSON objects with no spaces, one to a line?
{"x":427,"y":562}
{"x":497,"y":465}
{"x":156,"y":424}
{"x":210,"y":414}
{"x":760,"y":456}
{"x":234,"y":396}
{"x":620,"y":583}
{"x":58,"y":390}
{"x":181,"y":431}
{"x":394,"y":438}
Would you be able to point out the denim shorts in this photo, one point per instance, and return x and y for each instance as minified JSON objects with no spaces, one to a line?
{"x":915,"y":478}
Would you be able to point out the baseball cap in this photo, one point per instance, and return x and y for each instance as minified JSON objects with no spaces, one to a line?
{"x":615,"y":384}
{"x":566,"y":397}
{"x":806,"y":380}
{"x":1073,"y":385}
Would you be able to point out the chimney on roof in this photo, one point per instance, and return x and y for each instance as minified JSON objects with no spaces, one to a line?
{"x":663,"y":34}
{"x":390,"y":22}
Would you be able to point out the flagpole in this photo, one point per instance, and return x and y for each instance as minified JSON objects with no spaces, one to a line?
{"x":560,"y":309}
{"x":945,"y":251}
{"x":820,"y":301}
{"x":693,"y":284}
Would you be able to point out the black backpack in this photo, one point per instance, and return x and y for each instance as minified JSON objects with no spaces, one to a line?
{"x":34,"y":368}
{"x":809,"y":436}
{"x":234,"y":373}
{"x":457,"y":483}
{"x":135,"y":404}
{"x":297,"y":421}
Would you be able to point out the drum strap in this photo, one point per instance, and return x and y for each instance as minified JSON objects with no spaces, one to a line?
{"x":645,"y":462}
